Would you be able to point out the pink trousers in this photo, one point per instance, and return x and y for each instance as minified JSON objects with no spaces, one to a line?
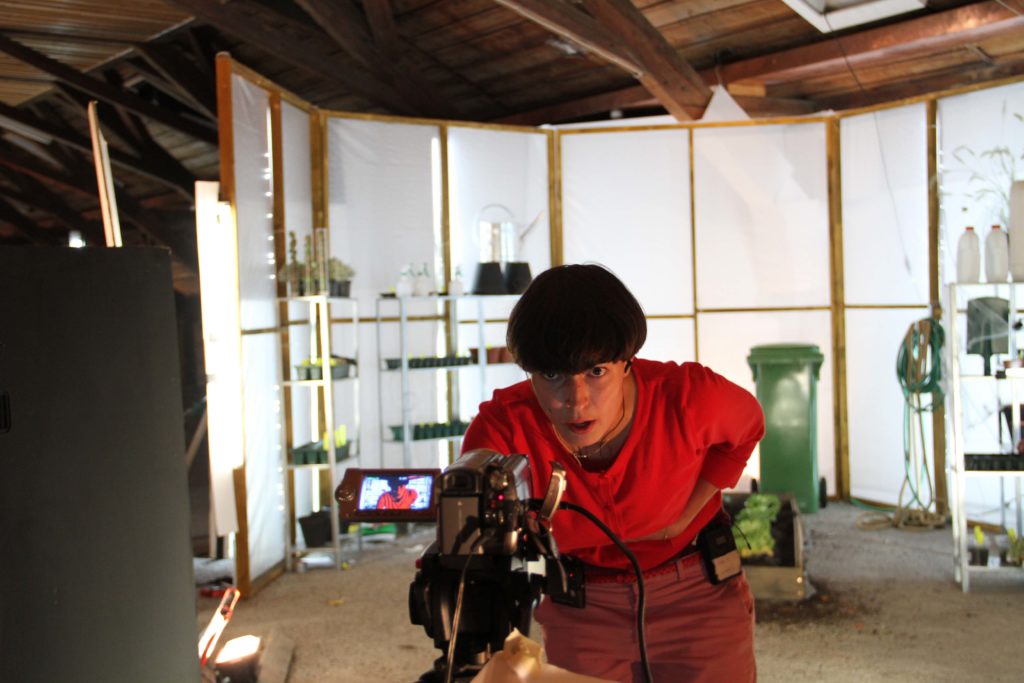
{"x":696,"y":632}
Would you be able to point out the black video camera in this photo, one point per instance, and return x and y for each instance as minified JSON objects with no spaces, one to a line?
{"x":493,"y":556}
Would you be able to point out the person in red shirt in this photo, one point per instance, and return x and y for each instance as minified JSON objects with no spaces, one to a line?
{"x":647,"y":447}
{"x":401,"y":498}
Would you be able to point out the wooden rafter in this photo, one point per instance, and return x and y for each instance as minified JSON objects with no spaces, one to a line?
{"x":279,"y":35}
{"x":618,"y":32}
{"x":79,"y":177}
{"x":24,"y":226}
{"x":348,"y":28}
{"x":189,"y":82}
{"x":105,"y":91}
{"x":578,"y":27}
{"x":913,"y":37}
{"x":666,"y":74}
{"x":41,"y":198}
{"x":67,"y":136}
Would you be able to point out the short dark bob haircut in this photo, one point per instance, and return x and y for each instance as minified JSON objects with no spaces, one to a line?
{"x":574,"y":317}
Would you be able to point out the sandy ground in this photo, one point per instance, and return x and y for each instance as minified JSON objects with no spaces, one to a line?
{"x":887,"y":609}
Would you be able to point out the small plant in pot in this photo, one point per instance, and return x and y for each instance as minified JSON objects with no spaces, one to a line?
{"x":1015,"y":549}
{"x":978,"y":553}
{"x":293,"y":273}
{"x":340,"y":276}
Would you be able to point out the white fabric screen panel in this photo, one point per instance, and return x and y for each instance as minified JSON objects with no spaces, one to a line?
{"x":296,"y":169}
{"x":626,"y":205}
{"x":384,"y":210}
{"x":497,"y":176}
{"x":725,"y":340}
{"x":264,"y":471}
{"x":762,"y":234}
{"x":254,"y":204}
{"x":425,"y":386}
{"x":974,"y":177}
{"x":669,"y":339}
{"x":875,"y":403}
{"x":885,"y":206}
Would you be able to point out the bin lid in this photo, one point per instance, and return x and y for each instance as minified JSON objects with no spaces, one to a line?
{"x":785,"y":353}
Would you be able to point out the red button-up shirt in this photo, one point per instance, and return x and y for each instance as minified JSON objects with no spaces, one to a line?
{"x":689,"y":423}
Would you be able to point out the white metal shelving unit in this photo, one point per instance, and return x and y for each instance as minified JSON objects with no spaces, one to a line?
{"x":957,"y":471}
{"x":319,"y":320}
{"x":387,"y":305}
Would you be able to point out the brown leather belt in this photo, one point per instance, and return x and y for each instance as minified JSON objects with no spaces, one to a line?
{"x":594,"y":574}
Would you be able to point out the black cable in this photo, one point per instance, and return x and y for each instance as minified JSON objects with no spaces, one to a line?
{"x":641,"y":592}
{"x":458,"y":604}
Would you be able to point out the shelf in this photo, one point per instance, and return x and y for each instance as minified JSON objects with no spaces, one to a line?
{"x":993,"y":473}
{"x":316,"y":298}
{"x":323,"y":465}
{"x":995,"y":570}
{"x":314,"y":382}
{"x":474,"y":366}
{"x":433,"y":438}
{"x":451,"y":297}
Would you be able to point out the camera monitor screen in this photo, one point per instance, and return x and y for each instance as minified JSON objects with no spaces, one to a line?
{"x":401,"y":495}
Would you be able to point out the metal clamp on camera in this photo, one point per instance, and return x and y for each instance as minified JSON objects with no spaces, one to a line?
{"x":494,"y":551}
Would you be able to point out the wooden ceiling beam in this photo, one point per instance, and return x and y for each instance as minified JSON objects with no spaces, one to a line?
{"x":275,"y":33}
{"x":617,"y":31}
{"x":43,"y":199}
{"x":348,"y":28}
{"x":935,"y":32}
{"x":380,"y":15}
{"x":407,"y":57}
{"x":25,"y":226}
{"x":197,"y":87}
{"x":666,"y":74}
{"x":946,"y":80}
{"x":578,"y":27}
{"x":21,"y":161}
{"x":106,"y":92}
{"x":71,"y":138}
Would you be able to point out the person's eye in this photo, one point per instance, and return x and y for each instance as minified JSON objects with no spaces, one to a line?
{"x":550,"y":376}
{"x":598,"y":371}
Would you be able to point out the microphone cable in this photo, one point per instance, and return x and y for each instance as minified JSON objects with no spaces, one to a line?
{"x":641,"y":591}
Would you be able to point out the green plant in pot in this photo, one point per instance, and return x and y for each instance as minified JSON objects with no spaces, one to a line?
{"x":978,"y":553}
{"x":340,"y":276}
{"x":1015,"y":550}
{"x":310,"y":284}
{"x":293,"y":273}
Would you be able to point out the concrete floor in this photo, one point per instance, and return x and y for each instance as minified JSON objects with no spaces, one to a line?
{"x":886,"y":609}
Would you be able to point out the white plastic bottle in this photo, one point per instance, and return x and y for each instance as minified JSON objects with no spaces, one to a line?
{"x":997,"y":255}
{"x":404,"y":287}
{"x":968,"y":257}
{"x":423,"y":284}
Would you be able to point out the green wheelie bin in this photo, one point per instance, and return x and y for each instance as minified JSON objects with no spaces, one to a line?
{"x":787,"y":388}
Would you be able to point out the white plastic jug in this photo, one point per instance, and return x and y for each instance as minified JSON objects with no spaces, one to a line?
{"x":997,"y":255}
{"x":968,"y":257}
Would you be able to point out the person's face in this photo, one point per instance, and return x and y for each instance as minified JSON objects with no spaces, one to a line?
{"x":583,"y":407}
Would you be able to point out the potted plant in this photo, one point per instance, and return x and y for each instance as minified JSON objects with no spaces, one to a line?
{"x":310,"y":283}
{"x":978,"y":553}
{"x":1015,"y":549}
{"x":341,"y":367}
{"x":340,"y":276}
{"x":293,"y":273}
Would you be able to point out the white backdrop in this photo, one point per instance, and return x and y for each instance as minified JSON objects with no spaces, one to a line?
{"x":885,"y":262}
{"x":626,"y":205}
{"x":762,"y":240}
{"x":261,"y":355}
